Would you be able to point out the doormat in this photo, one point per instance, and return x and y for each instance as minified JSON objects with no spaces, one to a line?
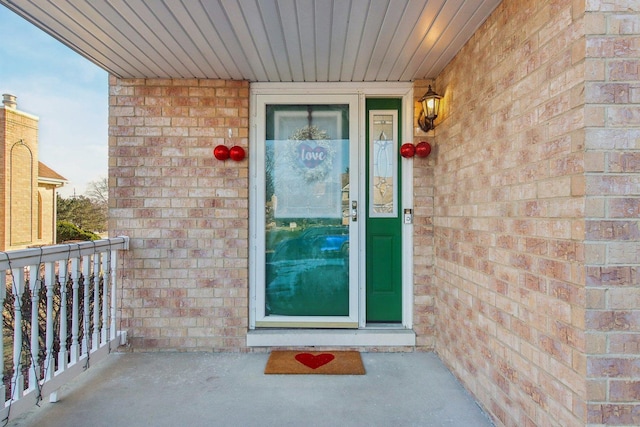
{"x":317,"y":362}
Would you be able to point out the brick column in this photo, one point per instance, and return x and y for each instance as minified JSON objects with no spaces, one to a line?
{"x":423,"y":289}
{"x":186,"y":212}
{"x":612,"y":144}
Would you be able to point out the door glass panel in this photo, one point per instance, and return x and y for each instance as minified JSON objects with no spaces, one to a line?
{"x":383,"y":148}
{"x":306,"y":210}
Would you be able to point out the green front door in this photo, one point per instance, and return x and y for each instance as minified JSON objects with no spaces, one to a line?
{"x":383,"y":218}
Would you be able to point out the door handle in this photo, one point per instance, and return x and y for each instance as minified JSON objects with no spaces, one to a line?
{"x":354,"y":210}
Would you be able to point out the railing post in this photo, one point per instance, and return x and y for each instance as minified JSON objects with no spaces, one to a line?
{"x":113,"y":259}
{"x":95,"y":340}
{"x":106,"y":285}
{"x":17,"y":382}
{"x":62,"y":278}
{"x":50,"y":283}
{"x":34,"y":286}
{"x":75,"y":314}
{"x":86,"y":329}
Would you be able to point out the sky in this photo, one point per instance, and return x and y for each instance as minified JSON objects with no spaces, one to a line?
{"x":68,"y":93}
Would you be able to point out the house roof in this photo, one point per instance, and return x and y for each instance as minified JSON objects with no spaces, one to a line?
{"x":263,"y":40}
{"x":46,"y":174}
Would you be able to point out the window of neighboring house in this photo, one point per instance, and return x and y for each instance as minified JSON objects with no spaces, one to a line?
{"x":39,"y":210}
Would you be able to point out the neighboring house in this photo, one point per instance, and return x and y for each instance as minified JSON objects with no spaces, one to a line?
{"x":518,"y":261}
{"x":27,"y":186}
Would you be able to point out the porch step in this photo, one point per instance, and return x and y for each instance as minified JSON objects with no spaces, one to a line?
{"x":331,"y":337}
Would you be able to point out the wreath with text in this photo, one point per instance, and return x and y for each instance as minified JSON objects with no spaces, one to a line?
{"x":311,"y":152}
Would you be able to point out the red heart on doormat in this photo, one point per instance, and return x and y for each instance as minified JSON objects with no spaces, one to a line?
{"x":314,"y":362}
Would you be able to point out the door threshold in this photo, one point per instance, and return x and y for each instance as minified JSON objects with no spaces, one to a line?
{"x":370,"y":337}
{"x":384,"y":326}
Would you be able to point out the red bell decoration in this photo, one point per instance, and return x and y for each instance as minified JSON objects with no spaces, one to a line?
{"x":423,"y":149}
{"x":221,"y":152}
{"x":237,"y":153}
{"x":407,"y":150}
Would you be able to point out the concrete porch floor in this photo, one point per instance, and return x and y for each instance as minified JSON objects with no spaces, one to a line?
{"x":211,"y":389}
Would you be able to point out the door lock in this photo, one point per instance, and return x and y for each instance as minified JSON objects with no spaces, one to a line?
{"x":354,"y":210}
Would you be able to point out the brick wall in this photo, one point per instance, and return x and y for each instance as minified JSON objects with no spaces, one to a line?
{"x":509,"y":206}
{"x":612,"y":143}
{"x":424,"y":315}
{"x":185,"y":211}
{"x":3,"y":186}
{"x":18,"y":179}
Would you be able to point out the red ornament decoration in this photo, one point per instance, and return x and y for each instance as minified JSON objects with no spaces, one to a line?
{"x":423,"y":149}
{"x":237,"y":153}
{"x":221,"y":152}
{"x":407,"y":150}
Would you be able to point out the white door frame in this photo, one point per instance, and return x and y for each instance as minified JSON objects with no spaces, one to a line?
{"x":363,"y":91}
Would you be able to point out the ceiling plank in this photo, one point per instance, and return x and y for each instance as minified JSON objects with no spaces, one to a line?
{"x":177,"y":41}
{"x":357,"y":18}
{"x":222,"y":26}
{"x":305,"y":14}
{"x":200,"y":50}
{"x":439,"y":24}
{"x":94,"y":26}
{"x":145,"y":27}
{"x":273,"y":28}
{"x":324,"y":17}
{"x":370,"y":35}
{"x":242,"y":29}
{"x":288,"y":16}
{"x":259,"y":38}
{"x":263,"y":40}
{"x":410,"y":49}
{"x":339,"y":24}
{"x":208,"y":41}
{"x":408,"y":21}
{"x":381,"y":52}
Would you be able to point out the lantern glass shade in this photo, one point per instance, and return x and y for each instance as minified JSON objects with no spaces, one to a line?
{"x":430,"y":106}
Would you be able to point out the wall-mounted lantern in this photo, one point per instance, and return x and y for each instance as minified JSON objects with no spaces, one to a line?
{"x":430,"y":106}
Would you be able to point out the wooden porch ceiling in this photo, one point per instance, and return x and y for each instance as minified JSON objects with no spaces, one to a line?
{"x":263,"y":40}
